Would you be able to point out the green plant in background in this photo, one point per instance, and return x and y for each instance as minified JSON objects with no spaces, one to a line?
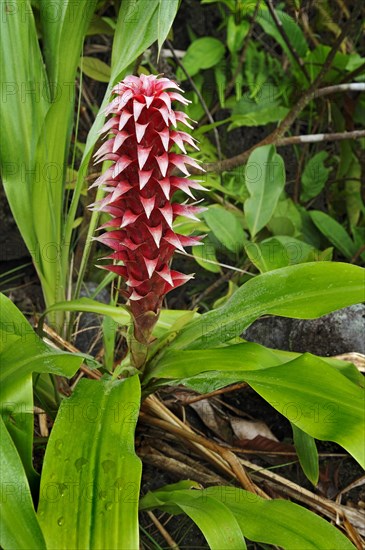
{"x":246,"y":80}
{"x":88,"y":494}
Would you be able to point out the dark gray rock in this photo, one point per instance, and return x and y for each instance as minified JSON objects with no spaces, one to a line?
{"x":272,"y":332}
{"x":339,"y":332}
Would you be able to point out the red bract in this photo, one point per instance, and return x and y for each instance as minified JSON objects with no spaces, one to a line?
{"x":140,"y":185}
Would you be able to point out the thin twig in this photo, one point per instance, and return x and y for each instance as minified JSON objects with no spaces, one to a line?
{"x":324,"y":506}
{"x":170,"y":541}
{"x":357,"y":254}
{"x":353,"y":74}
{"x":216,"y":284}
{"x":286,"y":39}
{"x":310,"y":93}
{"x":69,"y":347}
{"x":218,"y":455}
{"x":308,"y":30}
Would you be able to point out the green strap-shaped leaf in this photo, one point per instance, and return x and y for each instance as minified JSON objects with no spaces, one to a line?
{"x":225,"y":365}
{"x":37,"y":116}
{"x":137,"y":29}
{"x":19,"y":527}
{"x":216,"y":521}
{"x":317,"y":399}
{"x":119,"y":314}
{"x":303,"y":291}
{"x":91,"y":475}
{"x":167,"y":10}
{"x":175,"y":364}
{"x":277,"y":522}
{"x":22,"y":352}
{"x":22,"y":109}
{"x":64,"y":25}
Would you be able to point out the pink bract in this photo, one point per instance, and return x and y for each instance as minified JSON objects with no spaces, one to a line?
{"x":140,"y":186}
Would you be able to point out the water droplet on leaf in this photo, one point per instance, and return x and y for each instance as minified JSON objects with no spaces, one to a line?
{"x":58,"y":446}
{"x":62,"y":487}
{"x":79,"y":463}
{"x":108,"y":465}
{"x":118,"y":483}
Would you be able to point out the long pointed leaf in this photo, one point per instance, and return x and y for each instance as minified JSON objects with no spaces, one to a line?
{"x":167,"y":10}
{"x":22,"y":352}
{"x":277,"y":522}
{"x":22,"y":110}
{"x":64,"y":25}
{"x":19,"y":527}
{"x":91,"y":474}
{"x":217,"y":523}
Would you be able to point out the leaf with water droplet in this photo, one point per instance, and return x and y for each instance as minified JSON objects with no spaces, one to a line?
{"x":58,"y":446}
{"x":118,"y":483}
{"x":80,"y":462}
{"x":62,"y":487}
{"x":108,"y":465}
{"x":90,"y":472}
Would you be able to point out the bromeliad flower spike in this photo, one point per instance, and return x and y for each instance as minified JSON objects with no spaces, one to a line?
{"x":140,"y":185}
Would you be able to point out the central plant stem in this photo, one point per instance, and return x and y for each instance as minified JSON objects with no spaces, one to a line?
{"x":140,"y":338}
